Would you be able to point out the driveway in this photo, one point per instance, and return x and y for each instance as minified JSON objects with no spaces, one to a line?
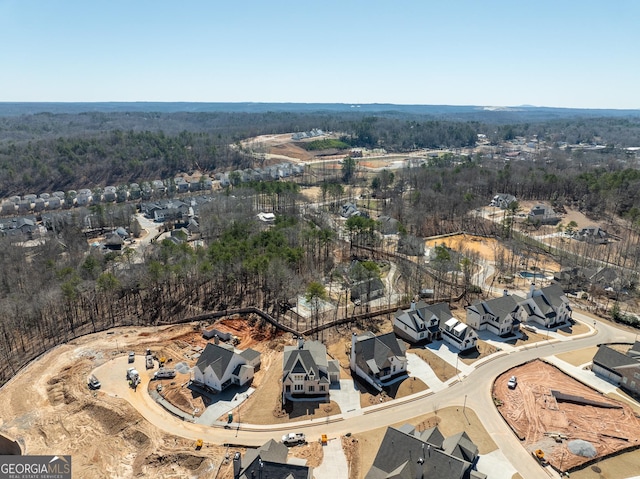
{"x":421,"y":370}
{"x":334,"y":462}
{"x":445,"y":352}
{"x":346,"y":395}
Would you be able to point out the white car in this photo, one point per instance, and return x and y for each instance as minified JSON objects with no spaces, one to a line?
{"x":513,"y":382}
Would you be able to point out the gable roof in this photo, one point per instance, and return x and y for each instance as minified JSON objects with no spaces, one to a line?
{"x":216,"y":356}
{"x":611,"y":359}
{"x":375,"y":351}
{"x":554,"y":294}
{"x":406,"y":455}
{"x":502,"y":306}
{"x":310,"y":359}
{"x":270,"y":461}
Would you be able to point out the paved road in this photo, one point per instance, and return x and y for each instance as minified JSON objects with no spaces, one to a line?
{"x":474,"y":392}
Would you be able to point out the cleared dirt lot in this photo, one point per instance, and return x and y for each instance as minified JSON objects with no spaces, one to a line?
{"x":572,"y":410}
{"x":49,"y":410}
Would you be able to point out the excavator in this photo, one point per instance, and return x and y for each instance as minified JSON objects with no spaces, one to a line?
{"x":539,"y":455}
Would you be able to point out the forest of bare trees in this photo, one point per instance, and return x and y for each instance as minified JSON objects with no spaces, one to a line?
{"x":61,"y":288}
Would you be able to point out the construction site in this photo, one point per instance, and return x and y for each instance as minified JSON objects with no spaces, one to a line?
{"x":562,"y":422}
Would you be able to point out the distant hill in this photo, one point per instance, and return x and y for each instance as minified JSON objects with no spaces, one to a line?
{"x":489,"y":114}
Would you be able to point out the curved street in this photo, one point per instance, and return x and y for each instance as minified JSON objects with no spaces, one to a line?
{"x":473,"y":391}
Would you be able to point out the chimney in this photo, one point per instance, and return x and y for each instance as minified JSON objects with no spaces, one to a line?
{"x":505,"y":292}
{"x":300,"y":342}
{"x":216,"y":339}
{"x":531,"y":290}
{"x":413,"y":306}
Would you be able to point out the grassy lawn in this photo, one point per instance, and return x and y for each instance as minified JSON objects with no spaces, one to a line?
{"x":579,"y":357}
{"x":440,"y":367}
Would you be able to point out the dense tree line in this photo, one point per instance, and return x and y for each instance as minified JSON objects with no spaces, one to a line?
{"x":47,"y":152}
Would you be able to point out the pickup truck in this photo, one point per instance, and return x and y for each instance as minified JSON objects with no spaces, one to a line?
{"x":293,"y":439}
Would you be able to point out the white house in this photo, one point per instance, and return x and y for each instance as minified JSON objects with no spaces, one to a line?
{"x":220,"y":366}
{"x":497,"y":315}
{"x":377,"y":359}
{"x":459,"y":335}
{"x":421,"y":322}
{"x":306,"y":371}
{"x":547,"y":306}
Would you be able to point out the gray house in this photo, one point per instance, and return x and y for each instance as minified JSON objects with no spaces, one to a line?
{"x":269,"y":461}
{"x":623,"y":369}
{"x":592,"y":234}
{"x":378,"y":360}
{"x":544,"y":215}
{"x":407,"y":453}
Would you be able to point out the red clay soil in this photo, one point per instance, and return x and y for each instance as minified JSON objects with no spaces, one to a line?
{"x":537,"y":416}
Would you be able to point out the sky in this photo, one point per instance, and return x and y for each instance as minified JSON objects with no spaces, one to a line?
{"x":560,"y":53}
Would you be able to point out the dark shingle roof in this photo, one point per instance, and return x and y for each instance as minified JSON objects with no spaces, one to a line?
{"x":215,"y":356}
{"x":610,"y":358}
{"x":270,"y":461}
{"x":408,"y":456}
{"x":373,"y":352}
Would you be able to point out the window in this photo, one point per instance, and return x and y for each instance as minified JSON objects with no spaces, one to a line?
{"x":322,"y":388}
{"x":312,"y":388}
{"x":298,"y":387}
{"x":287,"y":388}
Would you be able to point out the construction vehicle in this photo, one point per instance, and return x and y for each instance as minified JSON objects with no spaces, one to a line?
{"x":133,"y":377}
{"x":539,"y":455}
{"x":199,"y":444}
{"x":294,"y":438}
{"x":94,"y":383}
{"x":149,"y":360}
{"x":164,"y":373}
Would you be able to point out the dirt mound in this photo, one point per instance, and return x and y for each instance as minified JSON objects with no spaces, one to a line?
{"x":183,"y":398}
{"x":187,"y":461}
{"x":112,"y":421}
{"x":137,"y":438}
{"x":58,"y":391}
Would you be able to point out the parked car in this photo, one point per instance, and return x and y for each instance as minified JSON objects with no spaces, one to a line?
{"x":513,"y":382}
{"x":132,"y":356}
{"x":293,"y":439}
